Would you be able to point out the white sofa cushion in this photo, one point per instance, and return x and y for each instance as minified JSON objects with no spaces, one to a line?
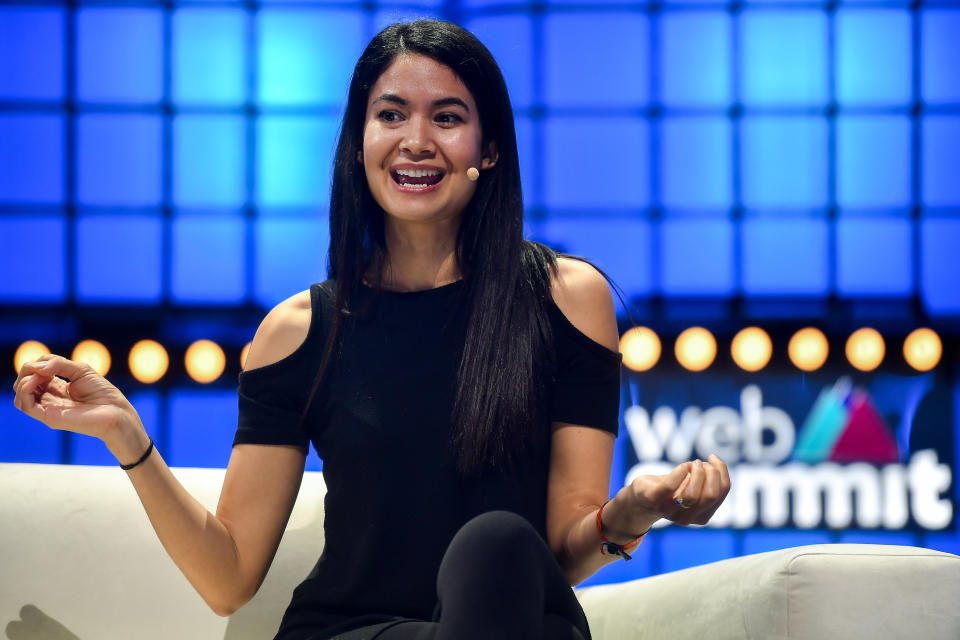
{"x":79,"y":559}
{"x":815,"y":592}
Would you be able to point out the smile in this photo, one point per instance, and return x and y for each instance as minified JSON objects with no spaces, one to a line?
{"x":417,"y":180}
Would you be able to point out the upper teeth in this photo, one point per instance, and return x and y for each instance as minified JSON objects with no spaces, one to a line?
{"x":418,"y":173}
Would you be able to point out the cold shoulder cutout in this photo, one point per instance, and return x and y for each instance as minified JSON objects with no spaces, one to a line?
{"x":271,"y":398}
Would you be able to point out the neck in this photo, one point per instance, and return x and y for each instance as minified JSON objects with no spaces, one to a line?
{"x":420,"y":256}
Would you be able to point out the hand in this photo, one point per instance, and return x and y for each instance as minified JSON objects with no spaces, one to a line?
{"x":699,"y":486}
{"x":83,"y":403}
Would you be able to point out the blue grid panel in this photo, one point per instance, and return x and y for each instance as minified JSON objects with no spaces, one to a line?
{"x":940,"y":253}
{"x":696,"y":256}
{"x":120,"y":55}
{"x":23,"y":439}
{"x":619,"y":246}
{"x":306,"y":56}
{"x":528,"y":169}
{"x":683,"y":548}
{"x":31,"y":163}
{"x":617,"y":173}
{"x":784,"y":162}
{"x":419,"y":3}
{"x":31,"y":54}
{"x":308,"y":2}
{"x":585,"y":52}
{"x":87,"y":450}
{"x":874,"y":157}
{"x":761,"y":541}
{"x":119,"y":159}
{"x":874,"y":57}
{"x":32,"y":258}
{"x":783,"y":58}
{"x":291,"y":255}
{"x":874,"y":256}
{"x":939,"y":51}
{"x":295,"y":160}
{"x":695,"y":156}
{"x":941,"y":161}
{"x":695,"y":53}
{"x":209,"y":160}
{"x":785,"y":256}
{"x":202,"y":425}
{"x":208,"y":259}
{"x":119,"y":258}
{"x":510,"y":40}
{"x":208,"y":56}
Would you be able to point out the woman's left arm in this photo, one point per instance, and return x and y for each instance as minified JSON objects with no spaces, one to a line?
{"x":581,"y":457}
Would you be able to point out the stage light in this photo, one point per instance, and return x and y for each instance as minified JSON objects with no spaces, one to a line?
{"x":751,"y":349}
{"x":922,"y":349}
{"x":641,"y":348}
{"x":865,"y":349}
{"x":205,"y":361}
{"x":243,"y":355}
{"x":696,"y":348}
{"x":28,"y":352}
{"x":808,"y":349}
{"x":94,"y":354}
{"x":148,"y":361}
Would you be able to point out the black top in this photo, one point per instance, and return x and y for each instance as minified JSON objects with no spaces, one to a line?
{"x":381,"y":424}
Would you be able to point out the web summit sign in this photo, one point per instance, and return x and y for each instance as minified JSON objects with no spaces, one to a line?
{"x":841,"y":469}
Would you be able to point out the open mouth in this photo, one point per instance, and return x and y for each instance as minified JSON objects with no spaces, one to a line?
{"x":417,"y":178}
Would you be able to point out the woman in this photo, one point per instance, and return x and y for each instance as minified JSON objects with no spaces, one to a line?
{"x":460,"y":383}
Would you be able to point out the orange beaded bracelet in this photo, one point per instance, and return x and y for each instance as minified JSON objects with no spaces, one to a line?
{"x":612,"y":548}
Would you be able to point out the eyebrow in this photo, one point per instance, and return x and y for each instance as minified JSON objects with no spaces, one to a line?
{"x":440,"y":102}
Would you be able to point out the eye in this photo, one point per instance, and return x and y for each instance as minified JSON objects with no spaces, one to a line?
{"x":448,"y":118}
{"x":388,"y":115}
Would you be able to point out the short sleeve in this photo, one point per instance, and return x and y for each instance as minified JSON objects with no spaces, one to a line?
{"x":268,"y":412}
{"x":271,"y":399}
{"x":587,"y":382}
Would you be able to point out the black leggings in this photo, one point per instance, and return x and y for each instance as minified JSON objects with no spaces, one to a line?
{"x":498,"y":579}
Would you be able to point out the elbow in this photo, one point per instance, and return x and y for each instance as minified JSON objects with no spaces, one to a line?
{"x":225,"y":608}
{"x":226,"y":605}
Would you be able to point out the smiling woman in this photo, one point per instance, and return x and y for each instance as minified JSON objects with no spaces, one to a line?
{"x":460,"y":383}
{"x":421,"y":136}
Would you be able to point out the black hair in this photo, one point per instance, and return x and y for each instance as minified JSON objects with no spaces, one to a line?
{"x":501,"y":390}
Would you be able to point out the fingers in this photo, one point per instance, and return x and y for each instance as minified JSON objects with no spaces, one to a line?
{"x":724,"y":474}
{"x":691,"y":493}
{"x":667,"y":486}
{"x":28,"y":395}
{"x":702,"y":492}
{"x":54,"y":365}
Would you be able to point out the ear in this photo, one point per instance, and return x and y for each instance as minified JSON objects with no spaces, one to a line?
{"x":360,"y":157}
{"x":490,"y":155}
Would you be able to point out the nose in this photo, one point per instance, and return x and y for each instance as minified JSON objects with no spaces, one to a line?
{"x":417,"y":140}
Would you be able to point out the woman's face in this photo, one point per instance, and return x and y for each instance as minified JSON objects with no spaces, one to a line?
{"x":422,"y":133}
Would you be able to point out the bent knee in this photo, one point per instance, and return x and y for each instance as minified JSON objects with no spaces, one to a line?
{"x":498,"y":531}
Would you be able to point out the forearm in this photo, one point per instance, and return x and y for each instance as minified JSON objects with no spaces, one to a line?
{"x":580,"y":555}
{"x":198,"y":542}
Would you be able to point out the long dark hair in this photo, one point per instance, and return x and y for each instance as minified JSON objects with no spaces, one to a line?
{"x":501,"y":387}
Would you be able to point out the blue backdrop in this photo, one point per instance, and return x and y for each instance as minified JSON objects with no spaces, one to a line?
{"x":164,"y":173}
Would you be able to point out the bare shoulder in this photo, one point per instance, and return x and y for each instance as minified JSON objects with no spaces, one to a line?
{"x":281,"y":332}
{"x":584,"y":297}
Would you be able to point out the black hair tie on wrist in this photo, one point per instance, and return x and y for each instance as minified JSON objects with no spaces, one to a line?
{"x":146,"y":454}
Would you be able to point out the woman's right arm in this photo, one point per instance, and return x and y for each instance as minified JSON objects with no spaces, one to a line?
{"x":225,"y":556}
